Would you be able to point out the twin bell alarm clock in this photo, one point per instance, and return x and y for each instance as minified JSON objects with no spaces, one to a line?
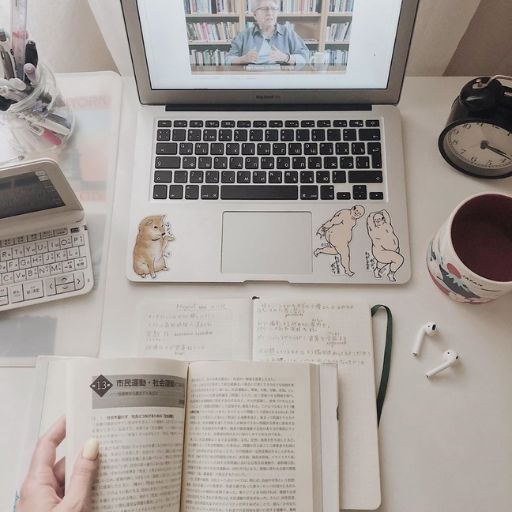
{"x":477,"y":139}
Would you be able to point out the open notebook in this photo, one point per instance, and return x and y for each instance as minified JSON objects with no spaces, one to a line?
{"x":320,"y":331}
{"x":270,"y":330}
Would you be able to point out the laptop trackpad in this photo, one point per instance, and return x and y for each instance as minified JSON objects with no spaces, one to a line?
{"x":266,"y":243}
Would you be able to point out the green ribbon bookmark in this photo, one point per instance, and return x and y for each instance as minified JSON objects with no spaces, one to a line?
{"x":386,"y":363}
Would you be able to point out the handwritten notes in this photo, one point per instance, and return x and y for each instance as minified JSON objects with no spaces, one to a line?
{"x":196,"y":330}
{"x":312,"y":331}
{"x":332,"y":332}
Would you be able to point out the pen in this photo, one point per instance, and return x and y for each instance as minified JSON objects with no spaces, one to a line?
{"x":6,"y":56}
{"x":31,"y":73}
{"x":19,"y":33}
{"x":45,"y":123}
{"x":45,"y":134}
{"x":31,"y":57}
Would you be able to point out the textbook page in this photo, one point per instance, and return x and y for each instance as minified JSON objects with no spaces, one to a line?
{"x":199,"y":330}
{"x":332,"y":332}
{"x":251,"y":439}
{"x":136,"y":408}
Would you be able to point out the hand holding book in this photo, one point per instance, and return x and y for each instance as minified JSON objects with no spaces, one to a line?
{"x":205,"y":436}
{"x":43,"y":488}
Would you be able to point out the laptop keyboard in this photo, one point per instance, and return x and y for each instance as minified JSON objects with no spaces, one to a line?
{"x":322,"y":160}
{"x":42,"y":265}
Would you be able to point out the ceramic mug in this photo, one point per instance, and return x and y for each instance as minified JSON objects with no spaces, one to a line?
{"x":470,"y":257}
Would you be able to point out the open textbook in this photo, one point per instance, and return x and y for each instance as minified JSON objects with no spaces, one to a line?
{"x":199,"y":437}
{"x":322,"y":331}
{"x":280,"y":329}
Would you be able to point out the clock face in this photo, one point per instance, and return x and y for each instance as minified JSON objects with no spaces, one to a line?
{"x":480,"y":148}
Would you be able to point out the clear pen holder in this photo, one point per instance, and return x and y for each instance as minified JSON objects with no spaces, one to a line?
{"x":41,"y":121}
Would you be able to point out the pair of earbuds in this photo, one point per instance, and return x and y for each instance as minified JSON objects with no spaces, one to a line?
{"x":450,"y":357}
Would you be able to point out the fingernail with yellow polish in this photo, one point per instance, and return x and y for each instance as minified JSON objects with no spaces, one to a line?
{"x":91,"y":449}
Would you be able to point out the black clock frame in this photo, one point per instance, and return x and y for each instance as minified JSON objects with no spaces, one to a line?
{"x":491,"y":104}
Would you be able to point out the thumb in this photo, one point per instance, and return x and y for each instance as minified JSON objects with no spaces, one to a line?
{"x":78,"y":490}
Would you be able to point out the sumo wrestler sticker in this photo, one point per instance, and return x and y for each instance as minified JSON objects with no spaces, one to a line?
{"x":149,"y":253}
{"x":337,"y":232}
{"x":385,"y":246}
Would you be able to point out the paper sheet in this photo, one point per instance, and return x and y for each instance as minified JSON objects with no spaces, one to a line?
{"x":332,"y":332}
{"x":196,"y":330}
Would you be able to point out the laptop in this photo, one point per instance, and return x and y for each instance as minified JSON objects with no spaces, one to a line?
{"x":44,"y":245}
{"x":293,"y":173}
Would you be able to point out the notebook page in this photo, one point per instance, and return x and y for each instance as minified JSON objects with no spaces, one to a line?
{"x":196,"y":330}
{"x":332,"y":332}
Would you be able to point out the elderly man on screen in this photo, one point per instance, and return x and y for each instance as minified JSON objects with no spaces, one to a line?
{"x":267,"y":42}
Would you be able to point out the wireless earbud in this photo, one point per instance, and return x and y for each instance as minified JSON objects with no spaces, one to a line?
{"x":428,"y":329}
{"x":449,"y":358}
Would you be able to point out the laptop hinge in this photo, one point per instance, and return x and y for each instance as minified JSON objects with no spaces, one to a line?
{"x":305,"y":107}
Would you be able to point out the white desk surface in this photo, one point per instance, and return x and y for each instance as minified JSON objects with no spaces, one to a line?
{"x":89,"y":163}
{"x":445,"y":443}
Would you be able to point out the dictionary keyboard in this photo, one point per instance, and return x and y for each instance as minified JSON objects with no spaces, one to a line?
{"x":44,"y":266}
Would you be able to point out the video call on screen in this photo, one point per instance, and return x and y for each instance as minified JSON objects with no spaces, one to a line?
{"x":252,"y":44}
{"x":27,"y":193}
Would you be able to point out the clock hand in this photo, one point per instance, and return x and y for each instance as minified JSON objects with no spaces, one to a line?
{"x":499,"y":152}
{"x":485,"y":145}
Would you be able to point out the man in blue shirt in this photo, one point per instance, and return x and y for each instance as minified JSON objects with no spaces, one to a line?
{"x":267,"y":42}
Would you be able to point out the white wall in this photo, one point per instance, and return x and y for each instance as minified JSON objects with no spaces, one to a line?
{"x":440,"y":25}
{"x":66,"y":33}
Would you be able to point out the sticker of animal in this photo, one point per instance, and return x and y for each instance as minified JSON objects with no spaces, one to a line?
{"x":149,"y":252}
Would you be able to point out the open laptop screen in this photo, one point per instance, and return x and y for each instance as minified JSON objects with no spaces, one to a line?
{"x":29,"y":192}
{"x":268,"y":44}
